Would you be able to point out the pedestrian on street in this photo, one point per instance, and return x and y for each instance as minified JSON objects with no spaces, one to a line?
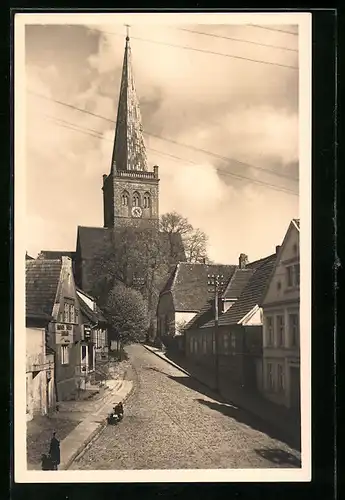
{"x":54,"y":451}
{"x":46,"y":462}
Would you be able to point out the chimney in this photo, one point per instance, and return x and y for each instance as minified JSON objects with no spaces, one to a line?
{"x":155,"y":171}
{"x":204,"y":260}
{"x":277,"y":248}
{"x":104,"y":177}
{"x":243,"y":261}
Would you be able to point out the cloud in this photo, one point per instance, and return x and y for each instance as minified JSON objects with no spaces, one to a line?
{"x":240,"y":110}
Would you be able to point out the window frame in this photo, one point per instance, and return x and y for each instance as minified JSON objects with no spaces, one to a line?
{"x":147,"y":200}
{"x":64,"y":355}
{"x":280,"y":377}
{"x":136,"y":199}
{"x":280,"y":330}
{"x":294,"y":326}
{"x":269,"y":331}
{"x":270,"y":376}
{"x":125,"y":199}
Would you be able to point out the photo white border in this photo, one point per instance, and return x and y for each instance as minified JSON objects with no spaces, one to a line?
{"x":21,"y":474}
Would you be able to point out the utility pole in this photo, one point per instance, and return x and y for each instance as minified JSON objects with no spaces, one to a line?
{"x":216,"y":283}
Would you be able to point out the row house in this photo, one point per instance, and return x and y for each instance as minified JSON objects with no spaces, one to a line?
{"x":182,"y":298}
{"x":94,"y":341}
{"x":40,"y":387}
{"x":238,"y":342}
{"x":281,"y":341}
{"x":50,"y":288}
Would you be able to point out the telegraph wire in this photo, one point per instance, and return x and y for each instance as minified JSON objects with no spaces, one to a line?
{"x":238,"y":40}
{"x":260,"y":61}
{"x":273,"y":29}
{"x":188,"y":146}
{"x":76,"y":128}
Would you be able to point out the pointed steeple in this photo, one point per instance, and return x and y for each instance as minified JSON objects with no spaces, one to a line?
{"x":129,"y":147}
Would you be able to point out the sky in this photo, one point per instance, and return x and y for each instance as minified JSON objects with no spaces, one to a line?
{"x":242,"y":193}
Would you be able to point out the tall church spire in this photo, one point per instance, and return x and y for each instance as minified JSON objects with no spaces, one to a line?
{"x":129,"y":151}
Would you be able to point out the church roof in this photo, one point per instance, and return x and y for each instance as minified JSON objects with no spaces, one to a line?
{"x":55,"y":254}
{"x":94,"y":240}
{"x":42,"y":279}
{"x":129,"y":147}
{"x":189,"y":286}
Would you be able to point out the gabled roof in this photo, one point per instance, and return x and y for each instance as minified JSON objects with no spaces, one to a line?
{"x":189,"y":286}
{"x":251,"y":296}
{"x":28,"y":257}
{"x":237,"y":283}
{"x":55,"y":254}
{"x":42,"y":279}
{"x":296,"y":222}
{"x":205,"y":314}
{"x":95,"y":316}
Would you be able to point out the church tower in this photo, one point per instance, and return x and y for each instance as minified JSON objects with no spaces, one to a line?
{"x":130,"y":191}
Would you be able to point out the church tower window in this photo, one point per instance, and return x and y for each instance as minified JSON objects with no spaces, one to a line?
{"x":125,"y":198}
{"x":147,"y":200}
{"x":136,"y":199}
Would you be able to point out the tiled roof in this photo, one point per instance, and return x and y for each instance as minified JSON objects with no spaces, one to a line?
{"x":190,"y":288}
{"x":237,"y":283}
{"x":55,"y":254}
{"x":251,"y":295}
{"x":93,"y":241}
{"x":42,"y":278}
{"x":258,"y":263}
{"x":202,"y":317}
{"x":94,"y":316}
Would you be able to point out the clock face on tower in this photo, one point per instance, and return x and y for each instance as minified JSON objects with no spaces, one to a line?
{"x":137,"y":212}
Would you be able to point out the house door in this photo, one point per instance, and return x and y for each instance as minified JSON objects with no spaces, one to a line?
{"x":295,"y":388}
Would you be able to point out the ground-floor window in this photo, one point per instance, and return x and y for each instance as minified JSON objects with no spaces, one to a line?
{"x":64,"y":355}
{"x":270,"y":377}
{"x":280,"y":377}
{"x":191,"y":345}
{"x":204,"y":344}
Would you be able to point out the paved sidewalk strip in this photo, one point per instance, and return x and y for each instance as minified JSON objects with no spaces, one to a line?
{"x":74,"y":444}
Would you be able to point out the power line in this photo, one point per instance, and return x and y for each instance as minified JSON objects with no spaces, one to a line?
{"x":238,"y":39}
{"x":273,"y":29}
{"x":260,"y":61}
{"x":204,"y":151}
{"x":70,"y":126}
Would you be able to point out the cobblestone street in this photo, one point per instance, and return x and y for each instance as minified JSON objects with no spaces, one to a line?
{"x":173,"y":422}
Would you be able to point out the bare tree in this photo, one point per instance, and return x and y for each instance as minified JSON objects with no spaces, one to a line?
{"x":194,"y":240}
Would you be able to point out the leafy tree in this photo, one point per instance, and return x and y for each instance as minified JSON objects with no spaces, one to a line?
{"x":127,"y":312}
{"x":139,"y":259}
{"x":194,"y":240}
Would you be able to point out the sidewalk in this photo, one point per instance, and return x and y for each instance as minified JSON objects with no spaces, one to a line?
{"x":279,"y":417}
{"x":82,"y":421}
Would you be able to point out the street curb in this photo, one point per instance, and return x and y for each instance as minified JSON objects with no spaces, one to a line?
{"x":167,"y":360}
{"x":92,"y":437}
